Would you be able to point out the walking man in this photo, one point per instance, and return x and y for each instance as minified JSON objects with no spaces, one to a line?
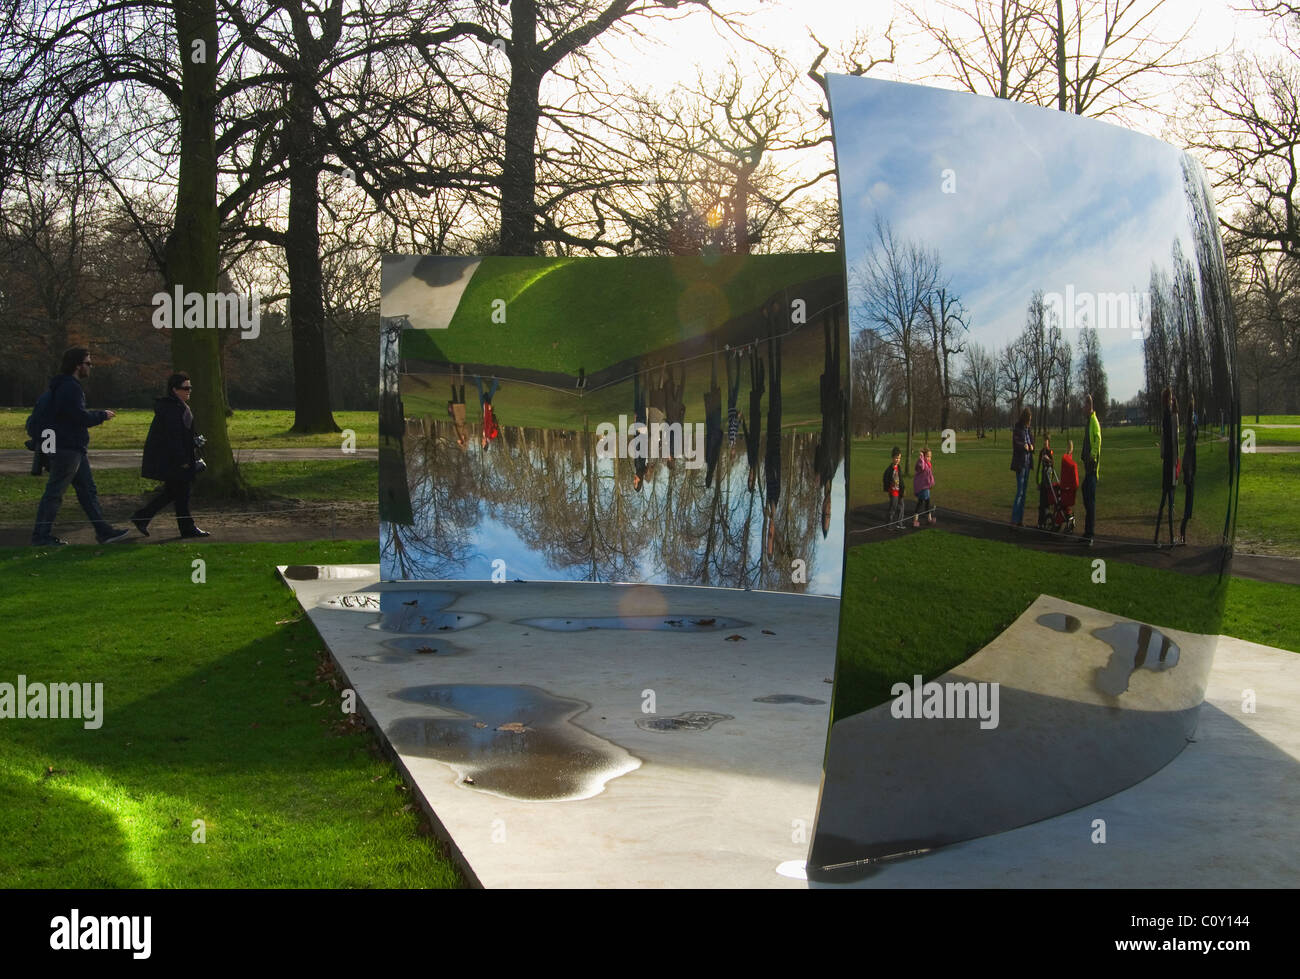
{"x":69,"y":463}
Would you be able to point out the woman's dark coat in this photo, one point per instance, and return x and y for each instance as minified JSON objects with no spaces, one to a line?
{"x":169,"y":447}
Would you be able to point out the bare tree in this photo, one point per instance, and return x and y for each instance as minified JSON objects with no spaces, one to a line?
{"x":1087,"y":57}
{"x":893,"y":284}
{"x":977,"y":385}
{"x":948,"y":319}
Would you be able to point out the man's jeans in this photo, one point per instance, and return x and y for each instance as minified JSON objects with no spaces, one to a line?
{"x":69,"y":466}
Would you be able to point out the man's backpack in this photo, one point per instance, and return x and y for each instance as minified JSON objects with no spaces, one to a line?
{"x":41,"y":418}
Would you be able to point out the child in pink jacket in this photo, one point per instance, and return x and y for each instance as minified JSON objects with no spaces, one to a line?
{"x":922,"y":482}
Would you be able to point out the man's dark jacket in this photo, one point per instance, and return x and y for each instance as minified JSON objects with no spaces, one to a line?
{"x":71,"y":419}
{"x":169,"y":446}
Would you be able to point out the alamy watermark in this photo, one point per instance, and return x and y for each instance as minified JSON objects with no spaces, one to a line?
{"x":208,"y":310}
{"x":23,"y":701}
{"x":658,"y":440}
{"x":1101,"y":311}
{"x":946,"y":700}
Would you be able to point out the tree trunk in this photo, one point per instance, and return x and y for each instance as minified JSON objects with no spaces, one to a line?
{"x":191,"y":252}
{"x":519,"y":168}
{"x":311,"y":391}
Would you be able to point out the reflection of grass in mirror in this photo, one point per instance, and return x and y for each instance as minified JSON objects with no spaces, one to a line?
{"x":1267,"y":523}
{"x":925,"y":603}
{"x":594,"y":312}
{"x":977,"y":479}
{"x":1276,"y":436}
{"x":534,"y":406}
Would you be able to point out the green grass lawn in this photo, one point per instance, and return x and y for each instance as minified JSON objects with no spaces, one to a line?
{"x":905,"y":596}
{"x":562,"y":314}
{"x":247,"y":429}
{"x":346,"y":479}
{"x":214,"y":709}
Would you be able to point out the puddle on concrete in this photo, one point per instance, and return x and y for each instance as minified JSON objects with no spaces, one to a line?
{"x":387,"y":658}
{"x":692,"y":720}
{"x":419,"y":611}
{"x":514,"y":741}
{"x":646,"y":623}
{"x":322,"y":572}
{"x":422,"y":646}
{"x":787,"y":698}
{"x":1136,"y":647}
{"x":1059,"y":621}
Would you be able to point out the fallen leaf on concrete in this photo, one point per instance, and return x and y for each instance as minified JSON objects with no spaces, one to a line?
{"x":426,"y":649}
{"x":479,"y":724}
{"x":413,"y":601}
{"x":735,"y":637}
{"x":705,"y":621}
{"x":768,"y":632}
{"x":513,"y":727}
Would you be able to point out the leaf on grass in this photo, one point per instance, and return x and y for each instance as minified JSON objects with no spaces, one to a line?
{"x":289,"y":621}
{"x":319,"y":703}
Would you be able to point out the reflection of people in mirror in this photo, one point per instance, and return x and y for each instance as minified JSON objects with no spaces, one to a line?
{"x":893,"y":487}
{"x":922,"y":483}
{"x":491,"y":429}
{"x":1046,"y":458}
{"x":712,"y":422}
{"x":1022,"y":461}
{"x":733,"y":396}
{"x":456,"y":408}
{"x":674,"y":388}
{"x":772,"y":457}
{"x":638,"y":440}
{"x":1169,"y":462}
{"x":1189,"y":466}
{"x":753,"y":438}
{"x":826,"y":454}
{"x":1091,"y":468}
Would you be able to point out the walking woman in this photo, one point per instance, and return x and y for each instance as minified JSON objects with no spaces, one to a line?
{"x":170,"y":456}
{"x":1022,"y":461}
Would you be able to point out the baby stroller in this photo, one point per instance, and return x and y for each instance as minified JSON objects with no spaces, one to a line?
{"x":1058,"y":515}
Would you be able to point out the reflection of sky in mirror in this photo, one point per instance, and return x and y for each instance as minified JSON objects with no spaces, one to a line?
{"x":657,"y":536}
{"x":1042,"y":199}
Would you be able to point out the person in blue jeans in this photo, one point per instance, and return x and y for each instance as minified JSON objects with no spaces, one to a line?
{"x":69,"y":464}
{"x":1022,"y":461}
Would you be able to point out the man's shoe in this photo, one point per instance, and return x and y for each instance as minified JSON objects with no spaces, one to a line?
{"x":114,"y":536}
{"x":195,"y":532}
{"x":141,"y":525}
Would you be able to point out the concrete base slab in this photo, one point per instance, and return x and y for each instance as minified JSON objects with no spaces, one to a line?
{"x":1221,"y":814}
{"x":718,"y":800}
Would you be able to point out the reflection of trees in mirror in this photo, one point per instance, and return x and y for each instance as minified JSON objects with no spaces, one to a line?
{"x":549,"y":502}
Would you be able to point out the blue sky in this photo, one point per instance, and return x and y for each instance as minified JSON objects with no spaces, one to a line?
{"x":1042,"y":199}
